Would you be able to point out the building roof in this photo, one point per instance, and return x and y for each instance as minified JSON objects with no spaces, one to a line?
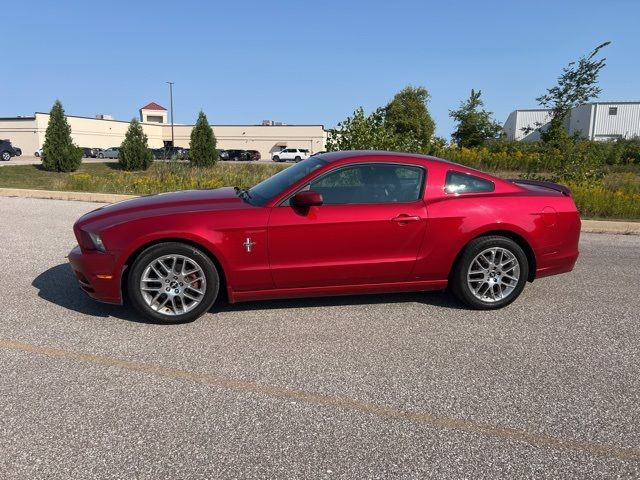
{"x":153,"y":106}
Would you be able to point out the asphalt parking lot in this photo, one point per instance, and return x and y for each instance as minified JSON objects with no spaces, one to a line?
{"x":387,"y":386}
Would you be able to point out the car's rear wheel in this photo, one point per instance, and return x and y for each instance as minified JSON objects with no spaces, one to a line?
{"x":100,"y":155}
{"x":491,"y":273}
{"x":276,"y":158}
{"x":37,"y":154}
{"x":5,"y":156}
{"x":173,"y":283}
{"x":297,"y":159}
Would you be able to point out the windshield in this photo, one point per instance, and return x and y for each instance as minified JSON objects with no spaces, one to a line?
{"x":273,"y":186}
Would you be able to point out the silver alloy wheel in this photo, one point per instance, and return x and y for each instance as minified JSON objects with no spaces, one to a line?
{"x":493,"y":274}
{"x":173,"y":284}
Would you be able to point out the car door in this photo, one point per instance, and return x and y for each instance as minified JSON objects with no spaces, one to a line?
{"x":368,"y":230}
{"x":288,"y":154}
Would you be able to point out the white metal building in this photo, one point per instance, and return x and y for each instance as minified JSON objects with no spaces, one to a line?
{"x":594,"y":121}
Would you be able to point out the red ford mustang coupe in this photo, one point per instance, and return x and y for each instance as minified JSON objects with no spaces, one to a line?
{"x":338,"y":223}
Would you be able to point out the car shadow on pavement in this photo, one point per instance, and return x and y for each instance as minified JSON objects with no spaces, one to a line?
{"x":437,"y":299}
{"x":58,"y":285}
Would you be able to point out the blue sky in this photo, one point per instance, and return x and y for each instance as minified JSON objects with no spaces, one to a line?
{"x":303,"y":61}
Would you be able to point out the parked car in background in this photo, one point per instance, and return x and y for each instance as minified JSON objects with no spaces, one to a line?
{"x":223,"y":154}
{"x":396,"y":222}
{"x":174,"y":153}
{"x":38,"y":152}
{"x":96,"y":152}
{"x":87,"y":152}
{"x":254,"y":155}
{"x":111,"y":152}
{"x":238,"y":155}
{"x":18,"y":151}
{"x":170,"y":153}
{"x":158,"y":153}
{"x":295,"y":154}
{"x":7,"y":150}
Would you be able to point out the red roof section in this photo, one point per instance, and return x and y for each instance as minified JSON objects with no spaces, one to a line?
{"x":153,"y":106}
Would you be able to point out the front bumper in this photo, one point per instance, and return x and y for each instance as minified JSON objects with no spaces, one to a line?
{"x":96,"y":275}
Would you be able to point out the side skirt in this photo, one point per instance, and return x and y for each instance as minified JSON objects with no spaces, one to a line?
{"x":337,"y":290}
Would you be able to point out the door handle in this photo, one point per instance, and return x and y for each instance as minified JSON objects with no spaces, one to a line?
{"x":404,"y":218}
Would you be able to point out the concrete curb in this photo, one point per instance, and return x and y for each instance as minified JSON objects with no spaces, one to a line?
{"x":588,"y":226}
{"x":606,"y":226}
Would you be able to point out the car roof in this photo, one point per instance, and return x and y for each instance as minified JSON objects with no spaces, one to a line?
{"x":335,"y":156}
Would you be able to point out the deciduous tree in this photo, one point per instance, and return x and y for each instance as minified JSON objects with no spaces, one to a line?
{"x":369,"y":132}
{"x":577,"y":85}
{"x":406,"y":115}
{"x":474,"y":124}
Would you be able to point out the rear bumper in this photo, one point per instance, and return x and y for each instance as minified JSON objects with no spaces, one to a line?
{"x":557,"y":264}
{"x":96,"y":275}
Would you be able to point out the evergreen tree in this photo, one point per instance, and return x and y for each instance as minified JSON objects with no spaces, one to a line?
{"x":59,"y":154}
{"x":202,"y":147}
{"x":475,"y":124}
{"x":407,"y":116}
{"x":134,"y":151}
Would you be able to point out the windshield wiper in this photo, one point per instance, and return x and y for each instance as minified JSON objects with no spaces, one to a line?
{"x":243,"y":193}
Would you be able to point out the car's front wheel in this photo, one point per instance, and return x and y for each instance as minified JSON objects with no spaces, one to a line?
{"x":100,"y":155}
{"x":276,"y":158}
{"x":297,"y":159}
{"x":491,"y":273}
{"x":173,"y":283}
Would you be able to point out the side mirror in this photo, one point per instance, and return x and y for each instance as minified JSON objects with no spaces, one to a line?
{"x":307,"y":198}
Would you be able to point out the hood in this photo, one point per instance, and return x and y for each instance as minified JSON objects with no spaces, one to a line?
{"x":163,"y":203}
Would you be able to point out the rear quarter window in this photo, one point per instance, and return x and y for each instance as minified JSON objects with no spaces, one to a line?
{"x":458,"y":182}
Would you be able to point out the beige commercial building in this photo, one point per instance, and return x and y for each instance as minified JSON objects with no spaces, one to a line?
{"x":102,"y":132}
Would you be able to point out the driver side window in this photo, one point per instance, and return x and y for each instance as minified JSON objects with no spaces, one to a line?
{"x":370,"y":183}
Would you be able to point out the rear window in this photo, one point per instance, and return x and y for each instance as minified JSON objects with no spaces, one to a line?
{"x":458,"y":182}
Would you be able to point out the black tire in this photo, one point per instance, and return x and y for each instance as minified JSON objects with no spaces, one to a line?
{"x":37,"y":155}
{"x":276,"y":158}
{"x":297,"y":159}
{"x":458,"y":279}
{"x":100,"y":155}
{"x":5,"y":156}
{"x":172,"y":248}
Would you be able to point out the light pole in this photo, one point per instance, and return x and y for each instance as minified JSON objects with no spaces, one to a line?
{"x":171,"y":100}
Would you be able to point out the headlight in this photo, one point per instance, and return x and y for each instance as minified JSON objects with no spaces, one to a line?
{"x":97,"y":241}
